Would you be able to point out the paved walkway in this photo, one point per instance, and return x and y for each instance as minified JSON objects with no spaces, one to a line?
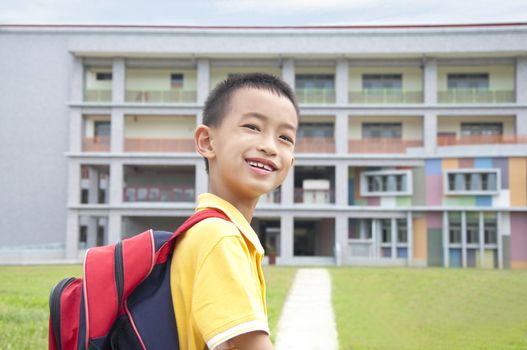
{"x":307,"y":321}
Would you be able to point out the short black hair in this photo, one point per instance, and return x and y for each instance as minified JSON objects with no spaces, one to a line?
{"x":219,"y":99}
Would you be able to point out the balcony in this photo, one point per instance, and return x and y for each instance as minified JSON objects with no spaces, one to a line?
{"x":323,"y":96}
{"x":97,"y":84}
{"x":93,"y":95}
{"x":315,"y":145}
{"x":453,"y":140}
{"x":96,"y":144}
{"x":273,"y":197}
{"x":314,"y":184}
{"x":314,"y":196}
{"x":158,"y":194}
{"x":475,"y":96}
{"x":158,"y":145}
{"x":385,"y":96}
{"x":161,"y":96}
{"x":382,"y":145}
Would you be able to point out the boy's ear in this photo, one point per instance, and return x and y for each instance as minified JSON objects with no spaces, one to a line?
{"x":203,"y":141}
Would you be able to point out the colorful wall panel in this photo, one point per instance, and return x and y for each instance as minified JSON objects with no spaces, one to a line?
{"x":420,"y":238}
{"x":518,"y":181}
{"x":518,"y":240}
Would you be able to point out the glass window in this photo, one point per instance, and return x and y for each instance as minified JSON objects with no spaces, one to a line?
{"x":381,"y":130}
{"x":468,"y":81}
{"x":323,"y":130}
{"x":102,"y":129}
{"x":381,"y":81}
{"x":472,"y":181}
{"x":103,"y":76}
{"x":176,"y":81}
{"x":454,"y":227}
{"x":314,"y":81}
{"x":472,"y":227}
{"x":386,"y":230}
{"x":402,"y":231}
{"x":365,"y":228}
{"x":490,"y":228}
{"x":479,"y":129}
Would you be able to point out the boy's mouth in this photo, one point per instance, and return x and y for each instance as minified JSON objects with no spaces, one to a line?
{"x":265,"y":165}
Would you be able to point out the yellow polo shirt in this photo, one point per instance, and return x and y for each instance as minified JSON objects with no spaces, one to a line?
{"x":216,"y":279}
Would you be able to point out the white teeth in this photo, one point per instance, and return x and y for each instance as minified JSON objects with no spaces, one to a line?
{"x":260,"y":165}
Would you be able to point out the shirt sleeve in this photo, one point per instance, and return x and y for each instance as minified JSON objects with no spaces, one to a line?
{"x":226,"y":300}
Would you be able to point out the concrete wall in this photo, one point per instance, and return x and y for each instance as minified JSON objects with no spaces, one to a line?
{"x":34,"y":92}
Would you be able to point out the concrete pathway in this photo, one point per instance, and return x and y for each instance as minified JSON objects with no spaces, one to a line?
{"x":307,"y":321}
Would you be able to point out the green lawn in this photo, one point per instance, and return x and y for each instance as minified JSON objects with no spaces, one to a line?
{"x":24,"y":293}
{"x":405,"y":308}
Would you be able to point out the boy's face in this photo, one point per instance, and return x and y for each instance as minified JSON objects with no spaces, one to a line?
{"x":253,"y":145}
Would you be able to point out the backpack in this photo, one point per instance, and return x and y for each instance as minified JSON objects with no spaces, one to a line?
{"x":124,"y":299}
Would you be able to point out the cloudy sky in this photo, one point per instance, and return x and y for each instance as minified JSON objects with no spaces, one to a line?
{"x":261,"y":12}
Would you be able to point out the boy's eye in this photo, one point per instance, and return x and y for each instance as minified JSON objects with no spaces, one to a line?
{"x":251,"y":126}
{"x":288,"y":139}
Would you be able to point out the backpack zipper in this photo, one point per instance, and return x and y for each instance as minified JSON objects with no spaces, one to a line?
{"x":119,"y":274}
{"x":54,"y":307}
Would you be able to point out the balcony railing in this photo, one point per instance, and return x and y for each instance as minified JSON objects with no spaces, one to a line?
{"x":96,"y":144}
{"x":158,"y":145}
{"x":158,"y":194}
{"x":385,"y":96}
{"x":91,"y":95}
{"x":475,"y":96}
{"x":273,"y":197}
{"x":382,"y":145}
{"x":447,"y":140}
{"x":315,"y":145}
{"x":161,"y":96}
{"x":315,"y":95}
{"x":314,"y":196}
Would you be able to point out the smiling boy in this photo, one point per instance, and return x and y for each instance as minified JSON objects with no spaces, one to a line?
{"x":247,"y":139}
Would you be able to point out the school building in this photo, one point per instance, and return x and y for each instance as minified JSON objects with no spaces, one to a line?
{"x":411,"y":150}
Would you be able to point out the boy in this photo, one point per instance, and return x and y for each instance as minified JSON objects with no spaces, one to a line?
{"x":247,"y":139}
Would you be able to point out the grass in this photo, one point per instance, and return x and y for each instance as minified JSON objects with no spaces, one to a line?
{"x":24,"y":293}
{"x":403,"y":308}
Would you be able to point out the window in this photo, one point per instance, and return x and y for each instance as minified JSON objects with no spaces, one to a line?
{"x":470,"y":129}
{"x":472,"y":181}
{"x":322,"y":130}
{"x":381,"y":81}
{"x":381,"y":130}
{"x":490,"y":228}
{"x":472,"y":227}
{"x":468,"y":81}
{"x":176,"y":81}
{"x":402,"y":231}
{"x":103,"y":76}
{"x":454,"y":227}
{"x":315,"y":81}
{"x":366,"y":228}
{"x":386,"y":182}
{"x":102,"y":129}
{"x":386,"y":230}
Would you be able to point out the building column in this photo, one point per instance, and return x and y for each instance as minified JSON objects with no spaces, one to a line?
{"x":288,"y":72}
{"x":341,"y":185}
{"x":430,"y":81}
{"x":521,"y":122}
{"x":410,"y":238}
{"x":341,"y":132}
{"x":521,"y":80}
{"x":201,"y":178}
{"x":286,"y":238}
{"x":72,"y":235}
{"x":481,"y":236}
{"x":91,"y":236}
{"x":499,"y":238}
{"x":430,"y":132}
{"x":341,"y":239}
{"x":375,"y":238}
{"x":118,"y":80}
{"x":446,"y":252}
{"x":203,"y":81}
{"x":342,"y":81}
{"x":76,"y":131}
{"x":93,"y":188}
{"x":393,"y":228}
{"x":74,"y":183}
{"x":114,"y":227}
{"x":77,"y":80}
{"x":117,"y":131}
{"x":288,"y":188}
{"x":116,"y":183}
{"x":464,"y":239}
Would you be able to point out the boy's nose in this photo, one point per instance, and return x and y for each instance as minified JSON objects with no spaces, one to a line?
{"x":268,"y":146}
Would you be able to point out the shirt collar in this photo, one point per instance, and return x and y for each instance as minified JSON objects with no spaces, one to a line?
{"x":209,"y":200}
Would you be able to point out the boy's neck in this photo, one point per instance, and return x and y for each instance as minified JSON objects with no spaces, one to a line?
{"x":244,"y":205}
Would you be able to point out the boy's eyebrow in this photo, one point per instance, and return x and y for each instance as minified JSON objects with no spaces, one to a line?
{"x":265,"y":118}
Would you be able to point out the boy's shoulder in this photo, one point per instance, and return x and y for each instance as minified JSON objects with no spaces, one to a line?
{"x":207,"y":233}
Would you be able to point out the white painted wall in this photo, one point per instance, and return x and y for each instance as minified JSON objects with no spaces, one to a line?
{"x":412,"y":77}
{"x":412,"y":127}
{"x":501,"y":77}
{"x":158,"y":79}
{"x":159,"y":126}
